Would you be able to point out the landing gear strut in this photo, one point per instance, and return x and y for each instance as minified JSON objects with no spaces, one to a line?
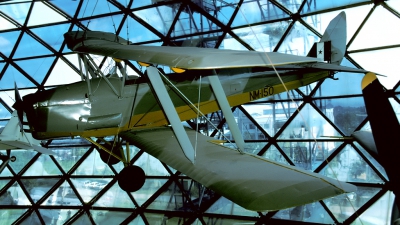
{"x":131,"y":178}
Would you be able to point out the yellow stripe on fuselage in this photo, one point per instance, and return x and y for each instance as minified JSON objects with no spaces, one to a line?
{"x":186,"y":112}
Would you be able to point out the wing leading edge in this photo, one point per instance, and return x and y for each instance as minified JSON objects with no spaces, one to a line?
{"x":250,"y":181}
{"x":101,"y":43}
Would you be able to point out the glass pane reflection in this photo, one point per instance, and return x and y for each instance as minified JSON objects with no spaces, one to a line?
{"x":343,"y":206}
{"x":313,"y":212}
{"x":350,"y":167}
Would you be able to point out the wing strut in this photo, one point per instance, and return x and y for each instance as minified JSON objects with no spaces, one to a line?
{"x":226,"y":110}
{"x":169,"y":110}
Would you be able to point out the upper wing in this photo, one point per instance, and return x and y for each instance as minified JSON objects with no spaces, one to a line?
{"x":250,"y":181}
{"x":101,"y":43}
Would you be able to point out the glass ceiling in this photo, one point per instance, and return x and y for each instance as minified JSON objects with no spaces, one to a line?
{"x":75,"y":187}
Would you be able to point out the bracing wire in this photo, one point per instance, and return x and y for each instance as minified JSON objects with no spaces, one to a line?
{"x":291,"y":98}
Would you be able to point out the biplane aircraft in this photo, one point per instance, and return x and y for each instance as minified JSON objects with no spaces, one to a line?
{"x":147,"y":112}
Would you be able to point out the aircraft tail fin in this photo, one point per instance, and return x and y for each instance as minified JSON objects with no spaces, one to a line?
{"x":332,"y":45}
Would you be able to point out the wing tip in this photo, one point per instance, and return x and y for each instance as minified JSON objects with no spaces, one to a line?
{"x":368,"y":78}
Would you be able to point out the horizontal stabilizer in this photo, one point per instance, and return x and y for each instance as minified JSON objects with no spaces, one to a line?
{"x":252,"y":182}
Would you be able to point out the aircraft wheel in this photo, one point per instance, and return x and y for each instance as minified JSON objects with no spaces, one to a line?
{"x":107,"y":158}
{"x":131,"y":178}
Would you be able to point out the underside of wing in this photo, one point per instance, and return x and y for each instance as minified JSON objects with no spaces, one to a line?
{"x":250,"y":181}
{"x":101,"y":43}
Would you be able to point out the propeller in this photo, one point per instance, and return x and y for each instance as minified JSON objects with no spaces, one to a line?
{"x":18,"y":105}
{"x":385,"y":128}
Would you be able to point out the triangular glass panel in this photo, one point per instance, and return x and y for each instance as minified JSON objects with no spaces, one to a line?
{"x":323,"y":5}
{"x":106,"y":24}
{"x":30,"y":47}
{"x":136,"y":32}
{"x":298,"y":41}
{"x":149,"y":188}
{"x":308,"y":124}
{"x":68,"y":157}
{"x":191,"y":23}
{"x":63,"y":196}
{"x":263,"y":113}
{"x":8,"y":40}
{"x":373,"y":34}
{"x":13,"y":75}
{"x":257,"y":11}
{"x":162,"y":16}
{"x":5,"y":24}
{"x":16,"y":196}
{"x":50,"y":216}
{"x":83,"y":220}
{"x":344,"y":83}
{"x":39,"y":71}
{"x":67,"y":7}
{"x":34,"y":219}
{"x":43,"y":166}
{"x":6,"y":173}
{"x":23,"y":157}
{"x":263,"y":38}
{"x":247,"y":127}
{"x":90,"y":187}
{"x":230,"y":42}
{"x":277,"y":114}
{"x":254,"y":147}
{"x":375,"y":163}
{"x":222,"y":10}
{"x":346,"y":113}
{"x":202,"y":41}
{"x":308,"y":155}
{"x":12,"y":215}
{"x":39,"y":9}
{"x":293,"y":6}
{"x":394,"y":4}
{"x":132,"y":153}
{"x":17,"y":12}
{"x":62,"y":73}
{"x":140,"y":3}
{"x":387,"y":65}
{"x":138,"y":219}
{"x":173,"y":198}
{"x":115,"y":197}
{"x":321,"y":21}
{"x":94,"y":165}
{"x":310,"y":213}
{"x":274,"y":154}
{"x":38,"y":187}
{"x":52,"y":35}
{"x":66,"y":214}
{"x":225,"y":206}
{"x":96,"y":8}
{"x":151,"y":165}
{"x":109,"y":217}
{"x":348,"y":166}
{"x":379,"y":212}
{"x":345,"y":205}
{"x":3,"y":183}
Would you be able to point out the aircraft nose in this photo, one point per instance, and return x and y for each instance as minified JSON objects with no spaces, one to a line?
{"x":36,"y":108}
